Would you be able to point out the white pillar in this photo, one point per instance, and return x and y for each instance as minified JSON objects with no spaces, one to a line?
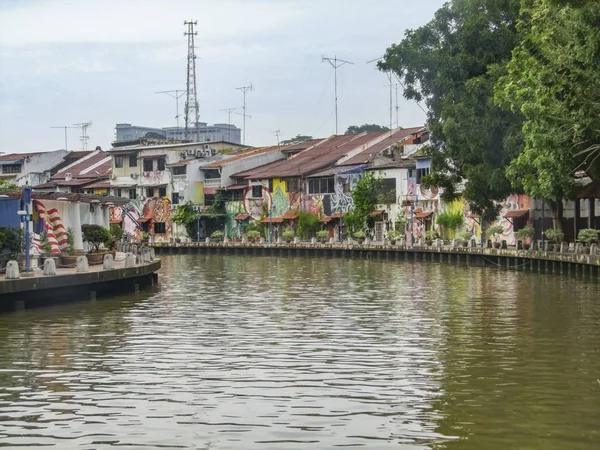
{"x":76,"y":225}
{"x":98,"y":214}
{"x":106,"y":217}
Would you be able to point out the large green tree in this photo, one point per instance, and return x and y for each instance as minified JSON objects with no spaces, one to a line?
{"x":357,"y":129}
{"x":452,"y":63}
{"x":296,"y":140}
{"x":553,"y":80}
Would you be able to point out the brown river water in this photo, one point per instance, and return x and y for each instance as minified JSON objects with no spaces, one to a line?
{"x":231,"y":352}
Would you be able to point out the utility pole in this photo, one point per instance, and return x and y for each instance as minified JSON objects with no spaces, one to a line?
{"x":84,"y":136}
{"x":276,"y":133}
{"x":176,"y":94}
{"x":335,"y":63}
{"x":229,"y":111}
{"x":245,"y":89}
{"x":192,"y":118}
{"x":396,"y":88}
{"x":65,"y":128}
{"x":391,"y":86}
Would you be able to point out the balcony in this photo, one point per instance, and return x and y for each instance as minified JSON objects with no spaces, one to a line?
{"x":212,"y":182}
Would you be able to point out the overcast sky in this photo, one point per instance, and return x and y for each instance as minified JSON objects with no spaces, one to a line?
{"x":64,"y":62}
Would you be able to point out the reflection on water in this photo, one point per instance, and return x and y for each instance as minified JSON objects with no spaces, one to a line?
{"x":271,"y":353}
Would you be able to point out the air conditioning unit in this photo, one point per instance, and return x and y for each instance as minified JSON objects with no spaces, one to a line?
{"x":146,"y":174}
{"x":113,"y":176}
{"x":68,"y":176}
{"x":134,"y":175}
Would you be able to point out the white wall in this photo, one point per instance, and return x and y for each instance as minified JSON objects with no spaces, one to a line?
{"x":36,"y":169}
{"x":248,"y":163}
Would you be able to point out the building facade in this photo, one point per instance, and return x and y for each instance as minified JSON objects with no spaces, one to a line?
{"x":203,"y":133}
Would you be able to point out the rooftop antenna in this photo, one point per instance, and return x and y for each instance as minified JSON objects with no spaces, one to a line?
{"x":335,"y":63}
{"x":229,"y":111}
{"x":391,"y":86}
{"x":245,"y":89}
{"x":176,"y":94}
{"x":276,"y":133}
{"x":396,"y":88}
{"x":65,"y":128}
{"x":84,"y":136}
{"x":192,"y":118}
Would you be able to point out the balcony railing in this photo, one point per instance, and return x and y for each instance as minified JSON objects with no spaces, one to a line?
{"x":212,"y":182}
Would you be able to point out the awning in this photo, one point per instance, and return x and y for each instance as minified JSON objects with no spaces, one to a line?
{"x":236,"y":187}
{"x":290,"y":216}
{"x":144,"y":219}
{"x":516,"y":214}
{"x":210,"y":190}
{"x":242,"y":217}
{"x":336,"y":215}
{"x":325,"y":219}
{"x":376,"y":212}
{"x":116,"y":221}
{"x":273,"y":220}
{"x":423,"y":215}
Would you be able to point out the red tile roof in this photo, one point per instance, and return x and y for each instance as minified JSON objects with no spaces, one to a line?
{"x":17,"y":156}
{"x":96,"y":165}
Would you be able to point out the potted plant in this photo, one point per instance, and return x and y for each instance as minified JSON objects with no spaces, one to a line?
{"x":555,"y":236}
{"x":323,"y":236}
{"x":217,"y":236}
{"x":253,"y":235}
{"x":466,"y":236}
{"x":68,"y":258}
{"x":429,"y":237}
{"x":588,"y":236}
{"x":145,"y":237}
{"x":95,"y":236}
{"x":394,"y":236}
{"x":524,"y":234}
{"x":288,"y":236}
{"x":359,"y":236}
{"x":495,"y":231}
{"x":178,"y":237}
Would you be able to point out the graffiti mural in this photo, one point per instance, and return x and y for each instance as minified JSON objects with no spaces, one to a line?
{"x":234,"y":227}
{"x":159,"y":210}
{"x":512,"y":202}
{"x":50,"y":222}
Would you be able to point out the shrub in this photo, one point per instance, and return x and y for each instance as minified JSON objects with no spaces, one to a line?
{"x":13,"y":240}
{"x":253,"y":234}
{"x":588,"y":235}
{"x":308,"y":224}
{"x":322,"y":235}
{"x":525,"y":232}
{"x":289,"y":235}
{"x":217,"y":235}
{"x":95,"y":235}
{"x":116,"y":231}
{"x":495,"y":231}
{"x":466,"y":235}
{"x":70,"y":242}
{"x":359,"y":235}
{"x":430,"y":235}
{"x":450,"y":220}
{"x":394,"y":235}
{"x":555,"y":235}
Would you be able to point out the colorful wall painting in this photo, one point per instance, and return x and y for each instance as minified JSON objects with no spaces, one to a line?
{"x":512,"y":202}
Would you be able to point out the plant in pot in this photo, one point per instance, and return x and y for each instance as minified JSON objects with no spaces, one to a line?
{"x":145,"y":237}
{"x":288,"y":236}
{"x":555,"y":236}
{"x":466,"y":236}
{"x":253,"y":235}
{"x":95,"y":236}
{"x":524,"y":234}
{"x":588,"y":236}
{"x":217,"y":236}
{"x":394,"y":235}
{"x":67,"y":257}
{"x":323,"y":236}
{"x":359,"y":236}
{"x":429,"y":237}
{"x":494,"y":232}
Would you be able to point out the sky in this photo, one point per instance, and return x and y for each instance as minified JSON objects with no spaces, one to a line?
{"x":64,"y":62}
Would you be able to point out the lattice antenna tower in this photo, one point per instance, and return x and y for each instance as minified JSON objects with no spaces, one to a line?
{"x":84,"y":136}
{"x":192,"y":114}
{"x":245,"y":89}
{"x":335,"y":63}
{"x":276,"y":133}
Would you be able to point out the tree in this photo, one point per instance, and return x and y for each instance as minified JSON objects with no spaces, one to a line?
{"x":554,"y":82}
{"x":296,"y":140}
{"x":95,"y":235}
{"x":354,"y":129}
{"x":364,"y":196}
{"x":452,"y":63}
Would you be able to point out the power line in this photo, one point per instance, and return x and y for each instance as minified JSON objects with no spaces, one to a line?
{"x":176,"y":97}
{"x":229,"y":111}
{"x":335,"y":63}
{"x":65,"y":128}
{"x":191,"y":101}
{"x":245,"y":89}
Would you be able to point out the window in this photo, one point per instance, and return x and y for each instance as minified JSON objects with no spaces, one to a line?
{"x":257,"y":191}
{"x":132,"y":160}
{"x":178,"y":170}
{"x":149,"y":192}
{"x":271,"y":185}
{"x":160,"y":228}
{"x":132,"y":194}
{"x":118,"y":162}
{"x":175,"y":198}
{"x":148,"y":165}
{"x":321,"y":185}
{"x":89,"y":191}
{"x":236,"y":195}
{"x":292,"y":184}
{"x":15,"y":168}
{"x":162,"y":191}
{"x":422,"y":173}
{"x":117,"y":192}
{"x":161,"y":164}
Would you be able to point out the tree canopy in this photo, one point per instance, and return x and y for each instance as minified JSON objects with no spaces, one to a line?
{"x":355,"y":129}
{"x":452,"y":63}
{"x":553,"y":80}
{"x":296,"y":140}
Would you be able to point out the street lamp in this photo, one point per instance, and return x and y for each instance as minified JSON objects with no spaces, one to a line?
{"x":271,"y":223}
{"x":25,"y":218}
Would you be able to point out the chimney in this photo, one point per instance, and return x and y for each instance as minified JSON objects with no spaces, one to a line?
{"x":68,"y":177}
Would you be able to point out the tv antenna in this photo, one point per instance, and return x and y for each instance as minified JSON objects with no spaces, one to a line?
{"x":335,"y":63}
{"x":191,"y":100}
{"x":276,"y":133}
{"x":176,"y":94}
{"x":245,"y":89}
{"x":65,"y":128}
{"x":84,"y":136}
{"x":229,"y":111}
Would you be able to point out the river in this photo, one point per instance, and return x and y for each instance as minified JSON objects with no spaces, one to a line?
{"x":231,"y":352}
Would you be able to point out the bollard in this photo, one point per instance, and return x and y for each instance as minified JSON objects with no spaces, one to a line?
{"x":82,"y":264}
{"x":49,"y":267}
{"x":12,"y":271}
{"x":129,"y":260}
{"x":109,"y":262}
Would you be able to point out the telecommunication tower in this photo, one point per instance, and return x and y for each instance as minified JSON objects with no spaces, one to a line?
{"x":84,"y":136}
{"x":192,"y":115}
